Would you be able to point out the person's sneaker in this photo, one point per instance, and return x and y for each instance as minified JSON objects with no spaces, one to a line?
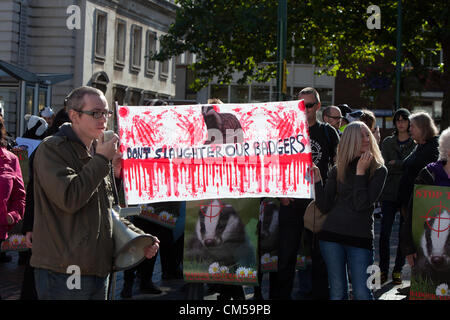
{"x":397,"y":278}
{"x":383,"y":277}
{"x":149,"y":287}
{"x":127,"y":291}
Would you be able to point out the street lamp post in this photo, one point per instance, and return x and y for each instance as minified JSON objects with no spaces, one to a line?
{"x":281,"y":52}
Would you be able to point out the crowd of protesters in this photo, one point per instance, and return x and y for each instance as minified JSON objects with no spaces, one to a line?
{"x":66,"y":202}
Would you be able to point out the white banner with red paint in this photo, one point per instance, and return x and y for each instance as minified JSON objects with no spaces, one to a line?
{"x":195,"y":152}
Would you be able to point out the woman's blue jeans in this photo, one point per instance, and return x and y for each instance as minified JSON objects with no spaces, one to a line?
{"x":338,"y":258}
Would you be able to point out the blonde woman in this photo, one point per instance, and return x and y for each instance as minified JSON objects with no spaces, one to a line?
{"x":348,"y":197}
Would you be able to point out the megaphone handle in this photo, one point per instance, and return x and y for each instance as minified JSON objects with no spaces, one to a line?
{"x":115,"y":193}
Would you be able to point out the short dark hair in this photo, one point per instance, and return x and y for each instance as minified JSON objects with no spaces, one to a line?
{"x":75,"y":99}
{"x":404,"y":113}
{"x":309,"y":90}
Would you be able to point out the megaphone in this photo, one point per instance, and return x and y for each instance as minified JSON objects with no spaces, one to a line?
{"x":129,"y":244}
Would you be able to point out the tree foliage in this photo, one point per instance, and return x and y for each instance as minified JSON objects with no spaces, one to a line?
{"x":231,"y":36}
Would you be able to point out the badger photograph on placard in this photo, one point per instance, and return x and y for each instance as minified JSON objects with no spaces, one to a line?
{"x":221,"y":241}
{"x":162,"y":213}
{"x":430,"y":277}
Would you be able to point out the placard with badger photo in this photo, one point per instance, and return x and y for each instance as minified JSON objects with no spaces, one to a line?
{"x":221,"y":241}
{"x":165,"y":214}
{"x":430,"y":277}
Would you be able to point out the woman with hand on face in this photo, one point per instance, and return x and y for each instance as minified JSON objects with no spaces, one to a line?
{"x":348,"y":199}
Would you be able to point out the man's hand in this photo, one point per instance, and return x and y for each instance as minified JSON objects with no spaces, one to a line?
{"x":151,"y":251}
{"x":28,"y":239}
{"x":286,"y":201}
{"x":316,"y":172}
{"x":107,"y":149}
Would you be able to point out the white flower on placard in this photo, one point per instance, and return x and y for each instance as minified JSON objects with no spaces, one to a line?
{"x":265,"y":258}
{"x":164,"y":215}
{"x":251,"y":273}
{"x":274,"y":258}
{"x":242,"y":272}
{"x":224,"y":269}
{"x":14,"y":239}
{"x":442,"y":290}
{"x":214,"y":268}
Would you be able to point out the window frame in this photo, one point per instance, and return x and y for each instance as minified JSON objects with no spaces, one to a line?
{"x":100,"y":57}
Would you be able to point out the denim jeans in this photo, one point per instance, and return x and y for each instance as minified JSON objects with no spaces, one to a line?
{"x":338,"y":258}
{"x":53,"y":286}
{"x":389,"y":209}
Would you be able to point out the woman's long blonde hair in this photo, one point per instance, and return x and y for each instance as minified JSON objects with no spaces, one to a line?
{"x":349,"y":147}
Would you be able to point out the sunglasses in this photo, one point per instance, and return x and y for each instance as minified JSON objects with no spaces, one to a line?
{"x":310,"y":105}
{"x":97,"y":114}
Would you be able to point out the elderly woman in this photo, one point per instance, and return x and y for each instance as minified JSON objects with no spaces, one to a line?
{"x":424,"y":132}
{"x":437,"y":174}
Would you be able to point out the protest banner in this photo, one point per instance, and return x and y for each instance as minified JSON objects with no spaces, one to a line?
{"x":430,"y":277}
{"x":177,"y":153}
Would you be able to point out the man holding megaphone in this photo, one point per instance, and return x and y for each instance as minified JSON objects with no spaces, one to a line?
{"x":74,"y":195}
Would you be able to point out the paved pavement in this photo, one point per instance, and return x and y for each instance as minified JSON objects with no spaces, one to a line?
{"x":11,"y":275}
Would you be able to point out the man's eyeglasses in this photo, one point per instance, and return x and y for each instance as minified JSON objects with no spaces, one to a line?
{"x":97,"y":114}
{"x":310,"y":105}
{"x":335,"y":118}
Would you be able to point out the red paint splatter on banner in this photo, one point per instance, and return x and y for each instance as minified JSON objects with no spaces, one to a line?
{"x":239,"y":175}
{"x":124,"y":112}
{"x":145,"y":176}
{"x":147,"y":131}
{"x":301,"y":105}
{"x":192,"y":129}
{"x":283,"y":124}
{"x":245,"y":120}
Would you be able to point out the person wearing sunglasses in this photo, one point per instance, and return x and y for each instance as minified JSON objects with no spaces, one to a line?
{"x":73,"y":189}
{"x":333,"y":116}
{"x":324,"y":140}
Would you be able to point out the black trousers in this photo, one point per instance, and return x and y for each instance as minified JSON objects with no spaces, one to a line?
{"x":320,"y":290}
{"x":290,"y":221}
{"x":168,"y":254}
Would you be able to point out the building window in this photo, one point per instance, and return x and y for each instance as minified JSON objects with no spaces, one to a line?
{"x":219,"y":91}
{"x":260,"y":93}
{"x":121,"y":35}
{"x":136,"y":45}
{"x":149,"y":50}
{"x":100,"y":36}
{"x":164,"y":69}
{"x":239,"y":94}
